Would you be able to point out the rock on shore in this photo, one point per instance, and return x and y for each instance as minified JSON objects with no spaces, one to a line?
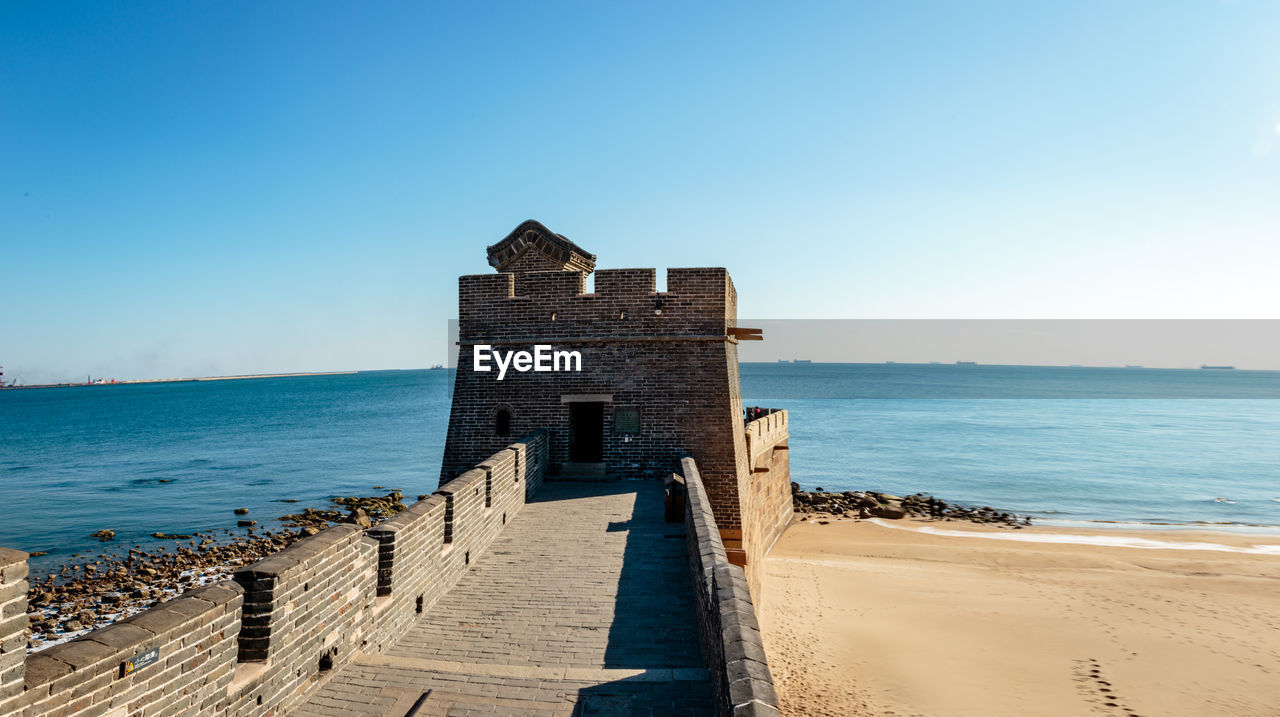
{"x":99,"y":591}
{"x":872,"y":504}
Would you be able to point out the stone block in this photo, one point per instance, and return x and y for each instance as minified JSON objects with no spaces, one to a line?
{"x":749,"y":690}
{"x":272,"y":567}
{"x":159,"y":619}
{"x":756,"y":709}
{"x":9,"y":556}
{"x":222,"y":593}
{"x":42,"y":670}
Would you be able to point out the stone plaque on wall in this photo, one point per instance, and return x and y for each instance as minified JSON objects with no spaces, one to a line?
{"x":626,"y":420}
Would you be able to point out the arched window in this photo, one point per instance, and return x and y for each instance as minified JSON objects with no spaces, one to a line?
{"x":502,"y":422}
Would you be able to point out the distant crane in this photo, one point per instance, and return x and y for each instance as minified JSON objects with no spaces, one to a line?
{"x":13,"y":383}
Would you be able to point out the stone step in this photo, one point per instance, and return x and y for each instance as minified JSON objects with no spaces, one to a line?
{"x":581,"y":471}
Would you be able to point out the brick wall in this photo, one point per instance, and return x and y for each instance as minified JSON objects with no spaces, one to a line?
{"x":13,"y":623}
{"x":256,"y":646}
{"x":666,"y":354}
{"x":415,"y":564}
{"x":766,"y":495}
{"x":307,"y":609}
{"x":194,"y":636}
{"x":732,"y":645}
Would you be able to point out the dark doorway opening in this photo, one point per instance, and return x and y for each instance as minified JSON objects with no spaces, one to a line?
{"x":586,"y":432}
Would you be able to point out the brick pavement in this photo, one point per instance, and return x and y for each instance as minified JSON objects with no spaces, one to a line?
{"x":583,"y":603}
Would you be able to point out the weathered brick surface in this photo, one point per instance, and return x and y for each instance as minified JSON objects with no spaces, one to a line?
{"x":732,"y":645}
{"x":666,"y":354}
{"x":13,"y":622}
{"x":423,"y":551}
{"x":766,"y":499}
{"x":195,"y":637}
{"x":307,"y":610}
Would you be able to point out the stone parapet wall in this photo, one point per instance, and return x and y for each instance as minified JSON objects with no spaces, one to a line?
{"x":763,"y":434}
{"x":258,"y":645}
{"x":194,"y":639}
{"x":766,"y":493}
{"x":416,"y":566}
{"x":697,"y":302}
{"x":307,"y":610}
{"x":413,"y":572}
{"x":732,"y":644}
{"x":13,"y":622}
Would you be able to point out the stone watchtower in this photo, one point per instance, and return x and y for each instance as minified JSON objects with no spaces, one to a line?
{"x":658,"y":378}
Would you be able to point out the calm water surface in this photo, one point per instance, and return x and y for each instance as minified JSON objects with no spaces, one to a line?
{"x":1087,"y":444}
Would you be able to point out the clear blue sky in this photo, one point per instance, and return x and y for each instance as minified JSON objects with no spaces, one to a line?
{"x":223,"y":187}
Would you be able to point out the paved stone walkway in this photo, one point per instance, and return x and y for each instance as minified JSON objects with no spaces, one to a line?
{"x":583,"y":606}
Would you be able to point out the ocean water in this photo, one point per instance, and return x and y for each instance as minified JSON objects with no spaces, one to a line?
{"x":1077,"y":444}
{"x":181,"y":457}
{"x":1067,"y":444}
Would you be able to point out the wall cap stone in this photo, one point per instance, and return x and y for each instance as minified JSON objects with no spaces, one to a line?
{"x":9,"y":556}
{"x":743,"y":684}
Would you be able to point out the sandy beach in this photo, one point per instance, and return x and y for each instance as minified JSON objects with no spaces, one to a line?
{"x":885,"y":618}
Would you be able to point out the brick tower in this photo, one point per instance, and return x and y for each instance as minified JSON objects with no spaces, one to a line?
{"x":658,"y":379}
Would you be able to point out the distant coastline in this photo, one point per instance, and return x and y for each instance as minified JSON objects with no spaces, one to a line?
{"x":179,"y":380}
{"x":996,"y":364}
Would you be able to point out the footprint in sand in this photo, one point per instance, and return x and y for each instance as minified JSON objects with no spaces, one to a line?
{"x":1098,"y":691}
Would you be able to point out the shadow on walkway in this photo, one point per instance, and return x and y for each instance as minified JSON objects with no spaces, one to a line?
{"x":583,"y":605}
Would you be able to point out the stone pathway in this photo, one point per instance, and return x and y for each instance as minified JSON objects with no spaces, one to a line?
{"x":583,"y":606}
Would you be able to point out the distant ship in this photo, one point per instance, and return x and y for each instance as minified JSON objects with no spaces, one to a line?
{"x":1221,"y":368}
{"x":1132,"y":365}
{"x":801,"y":361}
{"x":966,"y":363}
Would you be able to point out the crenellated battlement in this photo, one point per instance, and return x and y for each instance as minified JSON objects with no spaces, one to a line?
{"x":625,"y":304}
{"x":550,"y":285}
{"x":626,"y":282}
{"x":476,"y":288}
{"x":609,"y":283}
{"x":763,"y":434}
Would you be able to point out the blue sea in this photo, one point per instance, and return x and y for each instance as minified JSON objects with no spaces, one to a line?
{"x":1072,"y":444}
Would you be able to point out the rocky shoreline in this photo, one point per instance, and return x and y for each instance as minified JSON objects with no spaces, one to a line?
{"x":98,"y":591}
{"x":861,"y":505}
